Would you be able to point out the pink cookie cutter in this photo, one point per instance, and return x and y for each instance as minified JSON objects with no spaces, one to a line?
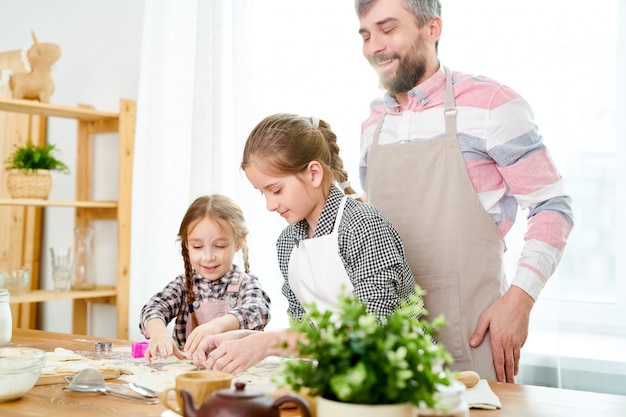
{"x":139,"y":348}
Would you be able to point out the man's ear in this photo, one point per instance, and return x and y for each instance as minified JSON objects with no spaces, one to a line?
{"x":434,"y":29}
{"x":315,"y":173}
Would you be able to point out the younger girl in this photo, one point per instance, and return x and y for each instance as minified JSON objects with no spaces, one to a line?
{"x":332,"y":242}
{"x":213,"y":296}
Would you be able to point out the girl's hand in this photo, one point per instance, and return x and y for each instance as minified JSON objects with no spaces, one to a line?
{"x":162,"y":345}
{"x":209,"y":343}
{"x":233,"y":356}
{"x":216,"y":326}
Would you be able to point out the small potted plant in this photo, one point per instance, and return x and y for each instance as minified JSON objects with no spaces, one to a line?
{"x":29,"y":169}
{"x":350,"y":357}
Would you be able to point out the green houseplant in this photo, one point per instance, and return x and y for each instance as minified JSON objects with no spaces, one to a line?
{"x":29,"y":169}
{"x":351,"y":357}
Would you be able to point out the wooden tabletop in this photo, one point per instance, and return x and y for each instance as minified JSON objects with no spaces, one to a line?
{"x":517,"y":400}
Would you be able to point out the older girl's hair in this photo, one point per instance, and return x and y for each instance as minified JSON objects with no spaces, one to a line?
{"x":286,"y":144}
{"x":215,"y":207}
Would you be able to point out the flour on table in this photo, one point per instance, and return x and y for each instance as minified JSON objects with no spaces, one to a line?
{"x":161,"y":374}
{"x":65,"y":361}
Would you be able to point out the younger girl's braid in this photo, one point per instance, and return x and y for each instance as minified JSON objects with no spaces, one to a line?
{"x":246,"y":260}
{"x":336,"y":163}
{"x":189,"y":294}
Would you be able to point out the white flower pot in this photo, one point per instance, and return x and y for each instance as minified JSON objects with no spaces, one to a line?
{"x":328,"y":408}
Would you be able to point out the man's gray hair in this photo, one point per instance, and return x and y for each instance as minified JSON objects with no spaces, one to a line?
{"x":423,"y":10}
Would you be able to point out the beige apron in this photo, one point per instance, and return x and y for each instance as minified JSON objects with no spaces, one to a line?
{"x":316,"y":270}
{"x":454,"y":248}
{"x":212,"y":309}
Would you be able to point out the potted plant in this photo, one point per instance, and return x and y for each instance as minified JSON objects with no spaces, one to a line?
{"x":351,"y":357}
{"x":29,"y":169}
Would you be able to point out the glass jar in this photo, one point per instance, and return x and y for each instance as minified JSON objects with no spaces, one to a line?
{"x":6,"y":321}
{"x":83,"y":267}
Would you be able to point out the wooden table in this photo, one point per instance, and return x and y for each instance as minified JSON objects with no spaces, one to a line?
{"x":517,"y":400}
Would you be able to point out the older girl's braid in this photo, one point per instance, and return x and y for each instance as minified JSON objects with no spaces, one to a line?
{"x":336,"y":163}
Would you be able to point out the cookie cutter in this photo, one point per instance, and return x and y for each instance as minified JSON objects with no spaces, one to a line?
{"x":103,"y":346}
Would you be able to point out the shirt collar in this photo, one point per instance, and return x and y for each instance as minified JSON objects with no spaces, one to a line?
{"x":327,"y":218}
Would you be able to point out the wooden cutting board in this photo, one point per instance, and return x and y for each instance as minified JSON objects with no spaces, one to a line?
{"x":60,"y":378}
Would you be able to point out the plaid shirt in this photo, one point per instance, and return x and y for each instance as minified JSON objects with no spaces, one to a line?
{"x":370,"y":248}
{"x":253,"y":310}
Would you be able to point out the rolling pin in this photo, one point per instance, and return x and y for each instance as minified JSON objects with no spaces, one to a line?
{"x":468,"y":378}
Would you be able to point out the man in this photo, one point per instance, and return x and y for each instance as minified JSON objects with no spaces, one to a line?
{"x":448,"y":158}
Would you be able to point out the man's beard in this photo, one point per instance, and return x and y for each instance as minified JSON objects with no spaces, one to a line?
{"x":410,"y":70}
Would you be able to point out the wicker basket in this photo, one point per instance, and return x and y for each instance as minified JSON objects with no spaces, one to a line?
{"x":30,"y":184}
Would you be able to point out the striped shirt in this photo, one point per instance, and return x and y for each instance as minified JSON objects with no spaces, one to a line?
{"x":252,"y":310}
{"x":506,"y":159}
{"x":371,"y":251}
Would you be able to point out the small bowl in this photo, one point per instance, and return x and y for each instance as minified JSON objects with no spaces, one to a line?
{"x":17,"y":281}
{"x":20,"y":368}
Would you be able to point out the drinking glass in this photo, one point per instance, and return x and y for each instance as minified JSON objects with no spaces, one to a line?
{"x":61,"y":267}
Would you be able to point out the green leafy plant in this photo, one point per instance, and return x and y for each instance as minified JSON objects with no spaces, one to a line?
{"x":30,"y":157}
{"x":352,"y":357}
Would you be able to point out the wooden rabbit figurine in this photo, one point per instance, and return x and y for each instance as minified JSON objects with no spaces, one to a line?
{"x":37,"y":84}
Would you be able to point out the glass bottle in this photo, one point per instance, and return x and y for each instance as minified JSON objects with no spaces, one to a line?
{"x":6,"y":321}
{"x":83,"y":267}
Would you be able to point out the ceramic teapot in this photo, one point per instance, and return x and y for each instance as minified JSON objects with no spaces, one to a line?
{"x":240,"y":403}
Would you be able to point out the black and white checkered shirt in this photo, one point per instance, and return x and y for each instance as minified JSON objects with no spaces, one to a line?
{"x":371,"y":251}
{"x":252,"y":311}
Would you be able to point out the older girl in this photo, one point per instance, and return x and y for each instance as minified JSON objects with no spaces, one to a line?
{"x":332,"y":241}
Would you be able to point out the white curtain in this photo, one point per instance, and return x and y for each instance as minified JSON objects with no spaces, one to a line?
{"x":212,"y":69}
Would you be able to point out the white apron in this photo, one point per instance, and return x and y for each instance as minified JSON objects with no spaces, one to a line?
{"x":316,"y":271}
{"x":454,"y":248}
{"x":209,"y":310}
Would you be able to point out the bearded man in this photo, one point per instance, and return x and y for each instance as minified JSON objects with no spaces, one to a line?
{"x":448,"y":158}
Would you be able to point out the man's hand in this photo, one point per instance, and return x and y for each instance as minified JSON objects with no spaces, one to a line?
{"x":507,"y":321}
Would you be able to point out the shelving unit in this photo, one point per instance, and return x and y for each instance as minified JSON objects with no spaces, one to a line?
{"x":90,"y":123}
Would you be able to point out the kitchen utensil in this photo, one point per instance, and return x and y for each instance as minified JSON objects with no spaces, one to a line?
{"x":240,"y":403}
{"x":468,"y":378}
{"x":199,"y":384}
{"x":141,"y":390}
{"x":19,"y":369}
{"x":90,"y":380}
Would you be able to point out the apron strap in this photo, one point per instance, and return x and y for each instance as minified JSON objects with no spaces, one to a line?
{"x":339,"y":214}
{"x":449,"y":109}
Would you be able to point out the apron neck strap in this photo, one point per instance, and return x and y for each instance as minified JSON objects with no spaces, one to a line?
{"x":339,"y":213}
{"x":449,"y":109}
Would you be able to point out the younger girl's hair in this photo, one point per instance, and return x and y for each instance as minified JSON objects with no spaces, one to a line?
{"x":215,"y":207}
{"x":286,"y":143}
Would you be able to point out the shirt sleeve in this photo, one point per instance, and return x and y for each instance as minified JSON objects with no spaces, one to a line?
{"x":374,"y":258}
{"x":284,"y":246}
{"x":164,"y":305}
{"x":253,"y":311}
{"x":534,"y":182}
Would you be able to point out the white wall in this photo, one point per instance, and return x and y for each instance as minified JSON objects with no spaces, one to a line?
{"x":100,"y":42}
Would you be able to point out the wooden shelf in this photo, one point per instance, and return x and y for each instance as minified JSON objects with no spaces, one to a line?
{"x":90,"y":123}
{"x":37,"y":296}
{"x":47,"y":109}
{"x":49,"y":203}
